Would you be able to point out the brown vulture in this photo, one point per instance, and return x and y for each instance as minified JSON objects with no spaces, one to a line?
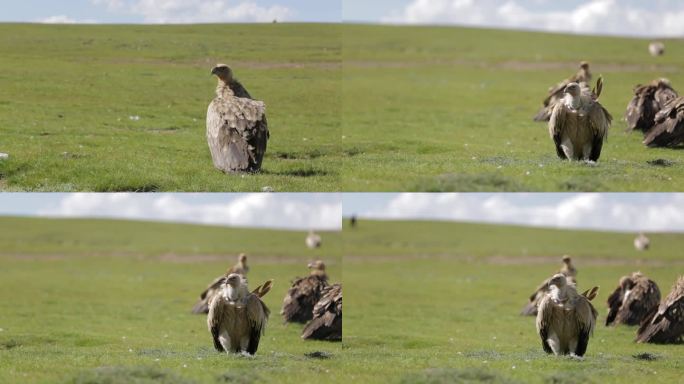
{"x":641,"y":242}
{"x":327,"y":316}
{"x":237,"y":130}
{"x":304,"y":293}
{"x":634,"y":298}
{"x":568,"y":269}
{"x":555,"y":93}
{"x":313,"y":240}
{"x":656,"y":48}
{"x":566,"y":319}
{"x":665,"y":325}
{"x":648,"y":100}
{"x":579,"y":123}
{"x":237,"y":318}
{"x":202,"y":305}
{"x":668,"y":130}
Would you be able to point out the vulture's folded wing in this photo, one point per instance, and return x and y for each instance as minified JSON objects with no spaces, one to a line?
{"x":669,"y":128}
{"x":599,"y":122}
{"x":586,"y":321}
{"x":544,"y":317}
{"x":641,"y":109}
{"x":665,"y":324}
{"x":301,"y":297}
{"x":202,"y":305}
{"x":257,"y":315}
{"x":215,"y":319}
{"x":557,"y":125}
{"x":327,"y":316}
{"x":614,"y":304}
{"x":642,"y":299}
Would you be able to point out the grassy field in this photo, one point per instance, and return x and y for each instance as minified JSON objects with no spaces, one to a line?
{"x":442,"y":109}
{"x":430,"y":302}
{"x":95,"y":301}
{"x":72,"y":94}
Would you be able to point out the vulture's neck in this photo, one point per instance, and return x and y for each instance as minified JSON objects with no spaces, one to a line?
{"x":559,"y":295}
{"x":223,"y":90}
{"x":573,"y":102}
{"x":232,"y":293}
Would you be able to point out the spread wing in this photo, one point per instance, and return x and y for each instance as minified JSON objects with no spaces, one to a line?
{"x":202,"y":305}
{"x":668,"y":130}
{"x":327,"y":316}
{"x":599,"y":122}
{"x":301,"y":298}
{"x":215,"y":318}
{"x":257,"y":315}
{"x":530,"y":308}
{"x":557,"y":125}
{"x":666,"y":324}
{"x":544,"y":318}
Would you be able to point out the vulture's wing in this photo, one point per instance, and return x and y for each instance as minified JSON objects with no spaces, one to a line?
{"x":544,"y":318}
{"x":666,"y":324}
{"x":217,"y":309}
{"x":263,"y":289}
{"x":614,"y":304}
{"x":202,"y":305}
{"x":530,"y":308}
{"x":669,"y":128}
{"x":642,"y":299}
{"x":558,"y":124}
{"x":327,"y":316}
{"x":599,"y":121}
{"x":238,"y":89}
{"x":586,"y":321}
{"x":257,"y":315}
{"x":590,"y":294}
{"x":641,"y":109}
{"x":301,"y":297}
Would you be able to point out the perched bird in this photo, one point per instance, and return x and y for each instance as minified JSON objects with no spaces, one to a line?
{"x":579,"y":123}
{"x":568,"y":270}
{"x":648,"y":100}
{"x":353,"y":221}
{"x":641,"y":242}
{"x":668,"y":130}
{"x":327,"y":316}
{"x":555,"y":93}
{"x":237,"y":318}
{"x":656,"y":48}
{"x":634,"y":298}
{"x":565,"y":319}
{"x":313,"y":240}
{"x":237,"y":130}
{"x":304,"y":293}
{"x":665,"y":325}
{"x":202,"y":305}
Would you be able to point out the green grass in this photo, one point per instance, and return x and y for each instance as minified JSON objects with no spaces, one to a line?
{"x":430,"y":302}
{"x":69,"y":91}
{"x":94,"y":301}
{"x":443,"y":109}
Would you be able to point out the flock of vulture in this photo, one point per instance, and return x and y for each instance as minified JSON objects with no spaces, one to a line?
{"x":566,"y":319}
{"x":237,"y":318}
{"x":578,"y":123}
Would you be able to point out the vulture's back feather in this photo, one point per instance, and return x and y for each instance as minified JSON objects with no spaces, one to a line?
{"x":668,"y":130}
{"x":665,"y":324}
{"x":327,"y":316}
{"x":298,"y":304}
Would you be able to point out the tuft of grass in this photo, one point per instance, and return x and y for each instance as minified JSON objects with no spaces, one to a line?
{"x":450,"y":375}
{"x":129,"y":375}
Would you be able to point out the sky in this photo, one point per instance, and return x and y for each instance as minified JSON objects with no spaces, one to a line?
{"x":296,"y":211}
{"x":628,"y":212}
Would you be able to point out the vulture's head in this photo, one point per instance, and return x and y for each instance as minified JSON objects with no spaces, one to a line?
{"x":626,"y":283}
{"x":242,"y":258}
{"x":663,"y":82}
{"x":573,"y":89}
{"x":223,"y":72}
{"x":317,"y":267}
{"x":558,"y":280}
{"x":234,"y":280}
{"x":567,"y":260}
{"x":584,"y":65}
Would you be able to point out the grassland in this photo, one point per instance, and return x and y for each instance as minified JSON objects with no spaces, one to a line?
{"x":95,"y":301}
{"x":430,"y":302}
{"x":443,"y":109}
{"x":122,"y":108}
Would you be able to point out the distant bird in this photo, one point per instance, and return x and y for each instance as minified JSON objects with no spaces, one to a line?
{"x":202,"y":305}
{"x":648,"y":100}
{"x":666,"y":324}
{"x":313,"y":240}
{"x":304,"y":293}
{"x":634,"y":298}
{"x":568,"y":270}
{"x":555,"y":93}
{"x":566,"y":319}
{"x":237,"y":318}
{"x":353,"y":221}
{"x":641,"y":242}
{"x":579,"y":123}
{"x":668,"y":130}
{"x":656,"y":48}
{"x":237,"y":130}
{"x":327,"y":316}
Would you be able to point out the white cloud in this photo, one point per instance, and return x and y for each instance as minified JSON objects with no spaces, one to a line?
{"x":591,"y":211}
{"x":657,"y":18}
{"x":198,"y":11}
{"x":247,"y":210}
{"x":63,"y":19}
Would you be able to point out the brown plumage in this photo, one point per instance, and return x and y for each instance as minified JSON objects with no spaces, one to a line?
{"x":634,"y":298}
{"x":304,"y":293}
{"x":648,"y":100}
{"x":202,"y":305}
{"x":567,"y":269}
{"x":579,"y":123}
{"x":237,"y":318}
{"x":665,"y":325}
{"x":555,"y":93}
{"x":668,"y":130}
{"x":237,"y":130}
{"x":327,"y":316}
{"x":566,"y":319}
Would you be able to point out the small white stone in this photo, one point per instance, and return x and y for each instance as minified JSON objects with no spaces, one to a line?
{"x":4,"y":156}
{"x":185,"y":365}
{"x":130,"y":350}
{"x":513,"y":367}
{"x":1,"y":329}
{"x":267,"y":189}
{"x":527,"y":173}
{"x":134,"y":117}
{"x":304,"y":139}
{"x":157,"y":359}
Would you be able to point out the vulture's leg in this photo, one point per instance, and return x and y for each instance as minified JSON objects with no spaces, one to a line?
{"x":595,"y":147}
{"x":567,"y":147}
{"x":554,"y":343}
{"x":224,"y":338}
{"x":572,"y":346}
{"x":244,"y":343}
{"x":582,"y":343}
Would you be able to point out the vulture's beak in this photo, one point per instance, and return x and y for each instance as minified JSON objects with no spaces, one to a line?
{"x":214,"y":71}
{"x":310,"y":265}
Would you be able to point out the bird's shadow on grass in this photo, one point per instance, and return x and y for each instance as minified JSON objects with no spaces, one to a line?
{"x":298,"y":172}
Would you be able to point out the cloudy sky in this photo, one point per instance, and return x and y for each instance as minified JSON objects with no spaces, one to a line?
{"x":169,"y":11}
{"x":618,"y":212}
{"x":266,"y":210}
{"x":614,"y":17}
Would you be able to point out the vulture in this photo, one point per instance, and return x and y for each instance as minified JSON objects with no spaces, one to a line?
{"x":665,"y":324}
{"x":313,"y":240}
{"x":634,"y":298}
{"x":237,"y":318}
{"x":656,"y":48}
{"x":202,"y":305}
{"x":298,"y":304}
{"x":567,"y":269}
{"x":579,"y":123}
{"x":327,"y":316}
{"x":555,"y":93}
{"x":641,"y":242}
{"x":353,"y":221}
{"x":648,"y":100}
{"x":237,"y":130}
{"x":566,"y":319}
{"x":668,"y":130}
